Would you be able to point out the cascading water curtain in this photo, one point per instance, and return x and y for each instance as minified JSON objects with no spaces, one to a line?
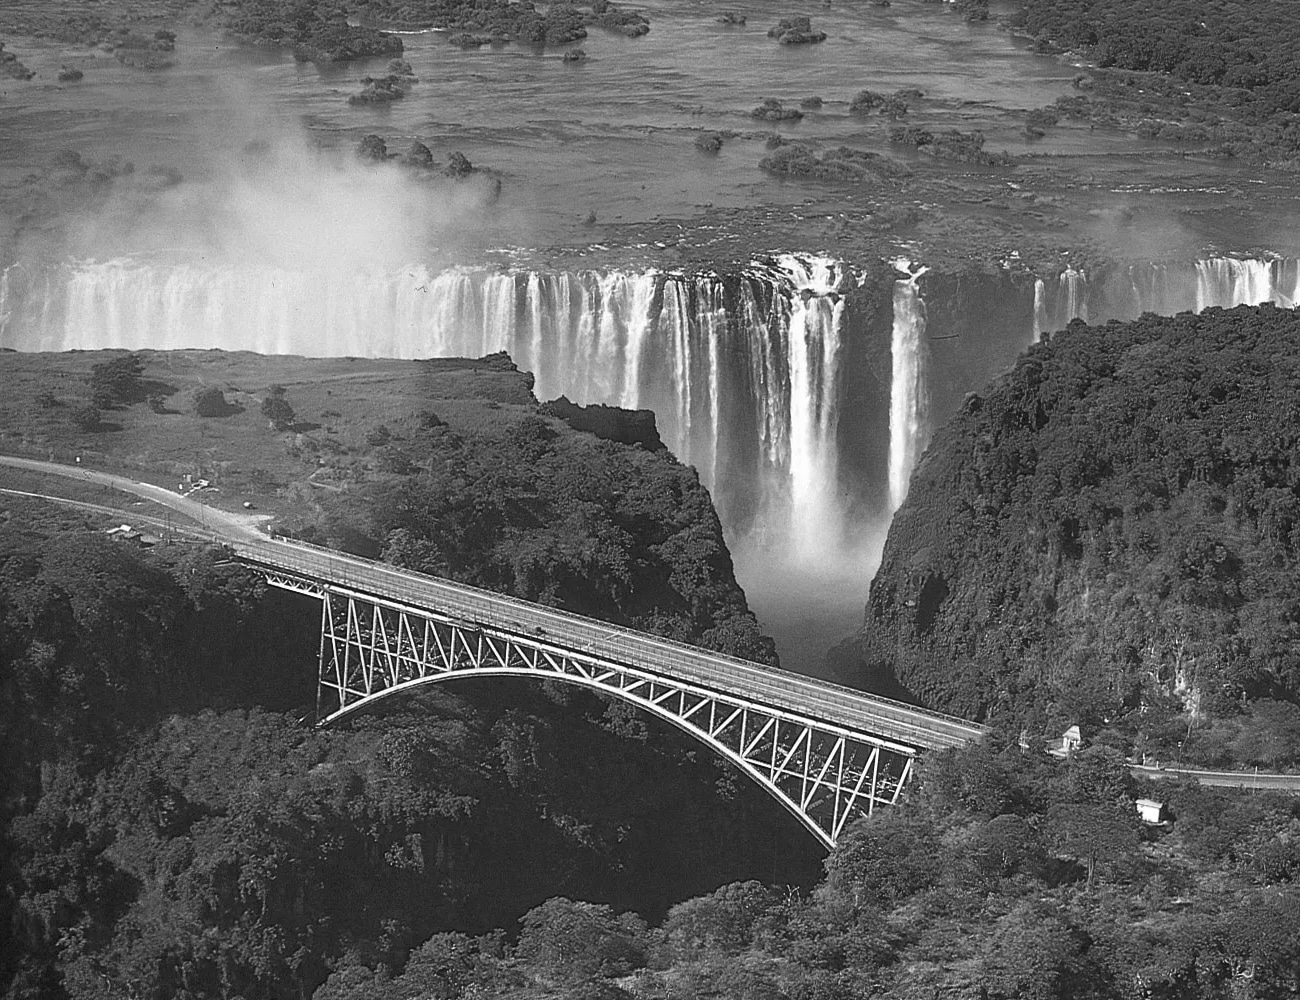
{"x":1067,"y":301}
{"x":812,"y":313}
{"x":1164,"y":288}
{"x":752,"y":359}
{"x":909,"y":402}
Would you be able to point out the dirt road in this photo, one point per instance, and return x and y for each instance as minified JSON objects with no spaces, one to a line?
{"x":221,"y":521}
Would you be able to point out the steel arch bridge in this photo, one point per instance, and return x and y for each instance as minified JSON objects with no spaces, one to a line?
{"x":827,"y":753}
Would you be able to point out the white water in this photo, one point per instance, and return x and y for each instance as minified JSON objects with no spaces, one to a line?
{"x":909,"y":403}
{"x":1069,"y":302}
{"x":1041,"y":322}
{"x":814,"y":335}
{"x":1226,"y":281}
{"x":761,"y":351}
{"x":745,"y":373}
{"x":1164,"y":289}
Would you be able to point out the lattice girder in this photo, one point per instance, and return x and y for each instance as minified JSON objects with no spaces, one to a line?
{"x":823,"y":774}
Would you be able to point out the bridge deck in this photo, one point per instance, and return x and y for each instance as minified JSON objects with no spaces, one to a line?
{"x":793,"y":693}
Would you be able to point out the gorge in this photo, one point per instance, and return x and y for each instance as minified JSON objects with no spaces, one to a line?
{"x":801,"y":388}
{"x":329,"y":264}
{"x":797,"y":338}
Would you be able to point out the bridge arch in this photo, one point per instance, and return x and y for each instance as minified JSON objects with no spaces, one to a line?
{"x":813,"y":793}
{"x":823,"y":774}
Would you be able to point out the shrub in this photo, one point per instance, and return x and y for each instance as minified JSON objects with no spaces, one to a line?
{"x":209,"y":402}
{"x":118,"y":382}
{"x":580,"y":940}
{"x":277,"y":410}
{"x":86,"y":418}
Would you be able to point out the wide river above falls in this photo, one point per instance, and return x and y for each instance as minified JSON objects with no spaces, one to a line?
{"x":613,"y":135}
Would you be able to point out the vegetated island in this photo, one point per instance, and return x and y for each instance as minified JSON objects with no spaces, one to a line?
{"x":1108,"y":537}
{"x":483,"y":22}
{"x":1220,"y":76}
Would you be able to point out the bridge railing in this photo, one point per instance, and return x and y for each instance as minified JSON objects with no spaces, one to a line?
{"x":763,"y":684}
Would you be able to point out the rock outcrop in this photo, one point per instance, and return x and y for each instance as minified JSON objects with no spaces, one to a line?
{"x":610,"y":423}
{"x":11,"y":67}
{"x":796,"y":31}
{"x":772,"y":110}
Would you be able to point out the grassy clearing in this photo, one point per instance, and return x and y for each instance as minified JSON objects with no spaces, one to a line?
{"x":345,"y":409}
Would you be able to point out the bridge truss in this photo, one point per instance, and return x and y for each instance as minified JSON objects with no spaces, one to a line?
{"x":373,"y":647}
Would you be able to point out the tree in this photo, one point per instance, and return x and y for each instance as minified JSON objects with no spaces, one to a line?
{"x":211,"y":402}
{"x":1092,"y":835}
{"x":277,"y":410}
{"x":1005,"y":846}
{"x":118,"y":382}
{"x":572,"y":940}
{"x":722,"y":921}
{"x":1036,"y":955}
{"x":372,"y":148}
{"x":884,"y":859}
{"x":394,"y":461}
{"x":86,"y":418}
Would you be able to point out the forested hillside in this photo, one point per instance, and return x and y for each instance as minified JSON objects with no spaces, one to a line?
{"x":1005,"y":875}
{"x":1110,"y":536}
{"x":159,"y":852}
{"x":173,"y":826}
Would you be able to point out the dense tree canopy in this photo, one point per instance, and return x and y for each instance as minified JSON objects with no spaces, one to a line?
{"x":1234,"y":43}
{"x":525,"y":506}
{"x":170,"y":826}
{"x":1112,"y":531}
{"x":991,"y":880}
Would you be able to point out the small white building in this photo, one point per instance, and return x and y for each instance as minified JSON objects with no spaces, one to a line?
{"x":126,"y":533}
{"x":1150,"y":811}
{"x":1071,"y":740}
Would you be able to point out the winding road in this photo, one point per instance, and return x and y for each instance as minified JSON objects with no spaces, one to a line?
{"x":834,"y":704}
{"x":217,"y":522}
{"x":242,"y":532}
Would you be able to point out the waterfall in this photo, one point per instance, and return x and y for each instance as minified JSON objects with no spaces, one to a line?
{"x":909,"y":402}
{"x":5,"y":308}
{"x":741,"y":369}
{"x":813,"y":318}
{"x":1075,"y":285}
{"x":1228,"y":281}
{"x":1066,"y":300}
{"x":1164,"y":288}
{"x":745,"y":369}
{"x":1041,"y":322}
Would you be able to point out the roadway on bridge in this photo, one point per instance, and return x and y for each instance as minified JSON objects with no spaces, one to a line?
{"x":242,"y":532}
{"x":796,"y":694}
{"x":818,"y":701}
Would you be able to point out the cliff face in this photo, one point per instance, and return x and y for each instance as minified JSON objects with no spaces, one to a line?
{"x":1112,"y":528}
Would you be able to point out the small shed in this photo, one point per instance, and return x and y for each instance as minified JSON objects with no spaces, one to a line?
{"x":1150,"y":811}
{"x":126,"y":533}
{"x":1070,"y":741}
